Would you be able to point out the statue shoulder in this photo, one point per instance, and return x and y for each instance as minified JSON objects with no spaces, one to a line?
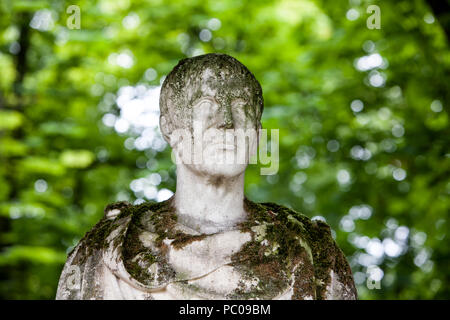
{"x":115,"y":215}
{"x":286,"y":213}
{"x":279,"y":214}
{"x":314,"y":230}
{"x":294,"y":231}
{"x":95,"y":237}
{"x":115,"y":209}
{"x":85,"y":261}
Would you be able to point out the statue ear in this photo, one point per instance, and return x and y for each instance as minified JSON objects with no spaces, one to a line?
{"x":164,"y":126}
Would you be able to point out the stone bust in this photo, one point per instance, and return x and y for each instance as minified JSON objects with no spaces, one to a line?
{"x":208,"y":241}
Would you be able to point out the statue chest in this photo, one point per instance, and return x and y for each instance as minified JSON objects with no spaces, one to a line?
{"x":227,"y":265}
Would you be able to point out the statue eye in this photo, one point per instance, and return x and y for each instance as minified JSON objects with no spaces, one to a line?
{"x":238,"y":111}
{"x":204,"y":111}
{"x":207,"y":104}
{"x":239,"y":103}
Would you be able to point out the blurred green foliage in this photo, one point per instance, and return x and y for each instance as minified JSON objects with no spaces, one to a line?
{"x":363,"y":119}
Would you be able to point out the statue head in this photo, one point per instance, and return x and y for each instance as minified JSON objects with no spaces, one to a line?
{"x":217,"y":96}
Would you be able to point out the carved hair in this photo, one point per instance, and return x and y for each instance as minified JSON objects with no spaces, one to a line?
{"x":192,"y":77}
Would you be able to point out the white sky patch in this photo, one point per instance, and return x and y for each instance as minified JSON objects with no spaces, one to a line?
{"x":360,"y":153}
{"x":205,"y":35}
{"x":402,"y":233}
{"x":333,"y":145}
{"x":359,"y":241}
{"x":42,"y":20}
{"x":371,"y":61}
{"x":399,"y":174}
{"x":363,"y":212}
{"x":147,"y":188}
{"x":375,"y":273}
{"x":388,"y":145}
{"x":131,"y":21}
{"x":418,"y":239}
{"x":123,"y":59}
{"x":163,"y":195}
{"x":300,"y":177}
{"x":150,"y":74}
{"x":352,"y":14}
{"x":40,"y":185}
{"x":392,"y":248}
{"x":377,"y":79}
{"x":421,"y":257}
{"x":368,"y":46}
{"x":375,"y":248}
{"x":398,"y":131}
{"x":14,"y":48}
{"x":121,"y":125}
{"x":305,"y":156}
{"x":138,"y":117}
{"x":392,"y":223}
{"x":139,"y":106}
{"x":319,"y":218}
{"x":384,"y":113}
{"x":436,"y":106}
{"x":214,"y":24}
{"x":366,"y":260}
{"x":151,"y":192}
{"x":357,"y":105}
{"x":347,"y":224}
{"x":428,"y":18}
{"x":343,"y":176}
{"x":109,"y":120}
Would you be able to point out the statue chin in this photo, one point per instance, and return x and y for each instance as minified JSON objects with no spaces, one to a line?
{"x":214,"y":169}
{"x":217,"y":162}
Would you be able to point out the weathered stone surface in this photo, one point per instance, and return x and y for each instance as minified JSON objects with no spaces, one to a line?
{"x":208,"y":241}
{"x":143,"y":253}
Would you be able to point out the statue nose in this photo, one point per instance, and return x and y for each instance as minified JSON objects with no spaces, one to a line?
{"x":227,"y":120}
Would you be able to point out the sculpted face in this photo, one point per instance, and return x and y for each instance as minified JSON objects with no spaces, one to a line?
{"x":213,"y":125}
{"x":220,"y":124}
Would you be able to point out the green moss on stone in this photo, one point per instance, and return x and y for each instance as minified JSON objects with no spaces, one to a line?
{"x":281,"y":238}
{"x":296,"y":238}
{"x":230,"y":80}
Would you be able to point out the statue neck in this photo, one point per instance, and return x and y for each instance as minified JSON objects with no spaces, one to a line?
{"x":209,"y":204}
